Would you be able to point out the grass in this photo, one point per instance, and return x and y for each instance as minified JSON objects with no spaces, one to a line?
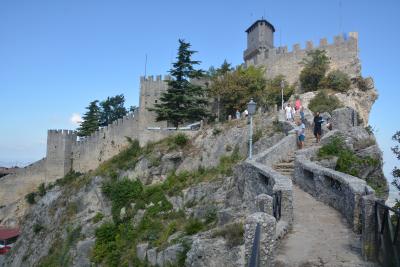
{"x":348,"y":162}
{"x":98,"y":217}
{"x":30,"y":198}
{"x":232,"y":233}
{"x":59,"y":253}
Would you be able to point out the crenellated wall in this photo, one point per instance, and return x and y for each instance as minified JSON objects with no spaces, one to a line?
{"x":343,"y":53}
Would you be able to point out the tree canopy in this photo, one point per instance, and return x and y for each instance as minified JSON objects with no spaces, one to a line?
{"x":112,"y":109}
{"x":396,"y":170}
{"x":183,"y":101}
{"x":91,"y":120}
{"x":316,"y":64}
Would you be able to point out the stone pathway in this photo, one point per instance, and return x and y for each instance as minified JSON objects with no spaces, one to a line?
{"x":320,"y":235}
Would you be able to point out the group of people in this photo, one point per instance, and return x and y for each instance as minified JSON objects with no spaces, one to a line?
{"x":297,"y":108}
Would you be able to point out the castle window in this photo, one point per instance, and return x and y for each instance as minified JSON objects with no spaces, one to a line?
{"x":155,"y":101}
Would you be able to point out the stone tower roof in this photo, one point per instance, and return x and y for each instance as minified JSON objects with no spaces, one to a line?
{"x":259,"y":21}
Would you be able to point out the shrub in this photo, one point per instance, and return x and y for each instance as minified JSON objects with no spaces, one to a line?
{"x":30,"y":198}
{"x":337,"y":80}
{"x":323,"y":102}
{"x":181,"y":139}
{"x":216,"y":131}
{"x":232,"y":233}
{"x":193,"y":226}
{"x":98,"y":217}
{"x":257,"y":135}
{"x":273,"y":92}
{"x":315,"y":65}
{"x":42,"y":189}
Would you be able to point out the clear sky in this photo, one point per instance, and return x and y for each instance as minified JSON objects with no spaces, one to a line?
{"x":57,"y":56}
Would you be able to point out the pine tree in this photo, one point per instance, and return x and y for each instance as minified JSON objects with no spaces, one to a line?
{"x":91,"y":120}
{"x":396,"y":170}
{"x":112,"y":109}
{"x":183,"y":101}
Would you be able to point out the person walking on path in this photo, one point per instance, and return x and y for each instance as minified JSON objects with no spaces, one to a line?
{"x":237,"y":114}
{"x":318,"y":126}
{"x":297,"y":104}
{"x":301,"y":134}
{"x":288,"y":112}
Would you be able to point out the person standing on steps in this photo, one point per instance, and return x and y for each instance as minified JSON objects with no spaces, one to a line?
{"x":301,"y":136}
{"x":297,"y":104}
{"x":318,"y":126}
{"x":237,"y":114}
{"x":288,"y":112}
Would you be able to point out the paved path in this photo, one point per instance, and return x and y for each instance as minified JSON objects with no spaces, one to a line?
{"x":320,"y":237}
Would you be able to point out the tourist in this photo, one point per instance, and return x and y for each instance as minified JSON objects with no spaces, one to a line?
{"x":297,"y":104}
{"x":293,"y":111}
{"x":237,"y":114}
{"x":302,"y":116}
{"x":318,"y":126}
{"x":246,"y":113}
{"x":301,"y":136}
{"x":288,"y":112}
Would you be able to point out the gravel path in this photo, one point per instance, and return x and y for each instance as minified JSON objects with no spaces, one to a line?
{"x":320,"y":237}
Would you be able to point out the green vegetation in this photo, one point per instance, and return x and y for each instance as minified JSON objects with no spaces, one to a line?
{"x":348,"y":162}
{"x":59,"y":252}
{"x":396,"y":170}
{"x":91,"y":120}
{"x":257,"y":135}
{"x":316,"y":64}
{"x":337,"y":80}
{"x":116,"y":241}
{"x":102,"y":114}
{"x":194,"y":226}
{"x":323,"y":102}
{"x":232,"y":233}
{"x":183,"y":101}
{"x":30,"y":198}
{"x":41,"y":189}
{"x":98,"y":217}
{"x":273,"y":94}
{"x":235,"y":88}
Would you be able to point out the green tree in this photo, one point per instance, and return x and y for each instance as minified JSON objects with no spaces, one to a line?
{"x":323,"y":102}
{"x":337,"y":80}
{"x":183,"y":101}
{"x":273,"y":94}
{"x":112,"y":109}
{"x":91,"y":120}
{"x":396,"y":170}
{"x":225,"y":68}
{"x":235,"y":88}
{"x":316,"y":64}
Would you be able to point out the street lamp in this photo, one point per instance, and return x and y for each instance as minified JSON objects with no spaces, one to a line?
{"x":251,"y":108}
{"x":282,"y":85}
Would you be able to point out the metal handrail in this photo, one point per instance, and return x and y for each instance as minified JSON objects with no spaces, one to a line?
{"x":255,"y":251}
{"x":276,"y":205}
{"x":388,"y":249}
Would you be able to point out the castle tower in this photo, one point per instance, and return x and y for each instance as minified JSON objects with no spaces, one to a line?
{"x":59,"y":153}
{"x":150,"y":92}
{"x":260,"y":37}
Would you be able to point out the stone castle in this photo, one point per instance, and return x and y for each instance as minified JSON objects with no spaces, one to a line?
{"x":65,"y":152}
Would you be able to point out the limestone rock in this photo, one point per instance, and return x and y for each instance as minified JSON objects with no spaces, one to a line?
{"x":344,"y":118}
{"x":141,"y":250}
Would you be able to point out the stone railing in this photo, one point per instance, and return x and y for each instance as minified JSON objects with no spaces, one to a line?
{"x":263,"y":183}
{"x":339,"y":190}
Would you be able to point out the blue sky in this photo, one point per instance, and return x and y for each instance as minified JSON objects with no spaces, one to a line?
{"x":57,"y":56}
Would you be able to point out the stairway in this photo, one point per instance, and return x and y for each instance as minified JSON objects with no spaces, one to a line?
{"x":320,"y":235}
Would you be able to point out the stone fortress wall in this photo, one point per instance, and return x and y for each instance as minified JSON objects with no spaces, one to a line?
{"x":343,"y":53}
{"x":65,"y":152}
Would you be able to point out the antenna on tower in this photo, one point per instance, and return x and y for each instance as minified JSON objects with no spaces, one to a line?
{"x":145,"y":67}
{"x":340,"y":16}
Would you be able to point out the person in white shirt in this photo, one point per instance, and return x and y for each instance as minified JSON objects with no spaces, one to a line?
{"x":300,"y":131}
{"x":288,"y":112}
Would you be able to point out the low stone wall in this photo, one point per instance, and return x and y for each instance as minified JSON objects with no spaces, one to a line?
{"x":278,"y":152}
{"x":339,"y":190}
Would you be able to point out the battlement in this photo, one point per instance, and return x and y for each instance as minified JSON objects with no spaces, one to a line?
{"x":342,"y":51}
{"x":338,"y":40}
{"x":61,"y":132}
{"x":157,"y":78}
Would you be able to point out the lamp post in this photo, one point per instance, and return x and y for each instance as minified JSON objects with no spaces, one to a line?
{"x":251,"y":108}
{"x":282,"y":85}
